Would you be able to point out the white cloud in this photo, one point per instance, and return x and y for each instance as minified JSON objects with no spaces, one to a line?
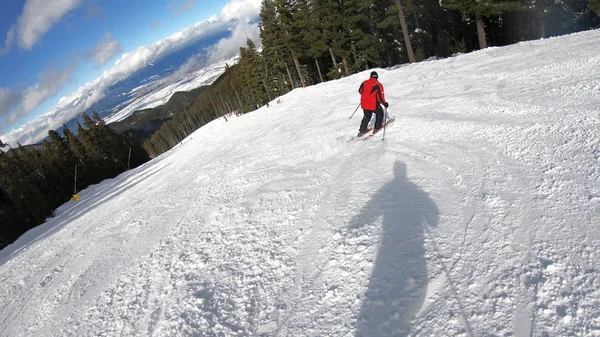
{"x":39,"y":17}
{"x":105,"y":50}
{"x":242,"y":10}
{"x":230,"y":46}
{"x":18,"y":105}
{"x":8,"y":43}
{"x":181,"y":6}
{"x":49,"y":82}
{"x":13,"y":117}
{"x":8,"y":100}
{"x":235,"y":16}
{"x":70,"y":106}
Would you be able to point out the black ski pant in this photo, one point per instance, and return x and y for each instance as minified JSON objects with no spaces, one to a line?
{"x":367,"y":118}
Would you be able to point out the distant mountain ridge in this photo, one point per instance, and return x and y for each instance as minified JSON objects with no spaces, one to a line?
{"x":178,"y":96}
{"x":157,"y":92}
{"x":144,"y":123}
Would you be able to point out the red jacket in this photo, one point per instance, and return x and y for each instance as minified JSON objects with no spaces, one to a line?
{"x":371,"y":94}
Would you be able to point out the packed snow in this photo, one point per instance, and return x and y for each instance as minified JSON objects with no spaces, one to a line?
{"x":477,"y":215}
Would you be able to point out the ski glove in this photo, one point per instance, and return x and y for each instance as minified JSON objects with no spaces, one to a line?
{"x":386,"y":105}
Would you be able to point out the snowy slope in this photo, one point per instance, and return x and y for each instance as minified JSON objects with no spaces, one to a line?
{"x":477,"y":216}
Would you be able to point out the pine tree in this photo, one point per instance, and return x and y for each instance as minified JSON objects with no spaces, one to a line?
{"x":311,"y":26}
{"x":480,"y":10}
{"x":251,"y":73}
{"x":388,"y":27}
{"x":57,"y":172}
{"x":405,"y":34}
{"x":32,"y":205}
{"x":594,"y":5}
{"x":286,"y":11}
{"x":363,"y":37}
{"x":335,"y":33}
{"x":274,"y":49}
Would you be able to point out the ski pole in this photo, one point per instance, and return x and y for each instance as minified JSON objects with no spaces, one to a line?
{"x":385,"y":121}
{"x":355,"y":111}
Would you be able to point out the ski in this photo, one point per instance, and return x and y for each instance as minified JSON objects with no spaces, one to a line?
{"x":369,"y":130}
{"x":361,"y":136}
{"x":390,"y":121}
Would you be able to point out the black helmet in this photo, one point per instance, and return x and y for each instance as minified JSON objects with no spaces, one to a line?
{"x":374,"y":74}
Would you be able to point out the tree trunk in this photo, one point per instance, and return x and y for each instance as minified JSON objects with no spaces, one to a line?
{"x":319,"y":70}
{"x":239,"y":100}
{"x":198,"y":124}
{"x":290,"y":76}
{"x":480,"y":31}
{"x":345,"y":63}
{"x":297,"y":64}
{"x":542,"y":28}
{"x":266,"y":73}
{"x":409,"y":49}
{"x":417,"y":21}
{"x":212,"y":101}
{"x":335,"y":64}
{"x":219,"y":101}
{"x":266,"y":89}
{"x":353,"y":50}
{"x":282,"y":89}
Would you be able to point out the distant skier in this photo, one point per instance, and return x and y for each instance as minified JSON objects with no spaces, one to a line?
{"x":371,"y":99}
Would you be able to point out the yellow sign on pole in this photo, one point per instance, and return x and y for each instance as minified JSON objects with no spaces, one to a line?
{"x":75,"y":195}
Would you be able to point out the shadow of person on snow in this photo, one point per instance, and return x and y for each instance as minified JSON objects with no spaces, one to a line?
{"x":398,"y":281}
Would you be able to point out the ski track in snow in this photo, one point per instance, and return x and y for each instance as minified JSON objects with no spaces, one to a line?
{"x":476,"y":216}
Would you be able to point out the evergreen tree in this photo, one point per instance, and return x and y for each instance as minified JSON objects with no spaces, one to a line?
{"x":363,"y":36}
{"x":594,"y":5}
{"x":339,"y":33}
{"x":330,"y":19}
{"x":480,"y":10}
{"x":251,"y":74}
{"x":313,"y":36}
{"x":35,"y":180}
{"x":292,"y":40}
{"x":272,"y":35}
{"x":405,"y":34}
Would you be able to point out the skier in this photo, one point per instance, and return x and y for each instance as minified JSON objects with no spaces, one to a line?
{"x":371,"y":99}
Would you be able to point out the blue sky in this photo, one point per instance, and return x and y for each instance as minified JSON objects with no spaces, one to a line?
{"x":51,"y":48}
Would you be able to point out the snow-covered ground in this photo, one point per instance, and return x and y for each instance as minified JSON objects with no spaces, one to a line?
{"x":477,"y":215}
